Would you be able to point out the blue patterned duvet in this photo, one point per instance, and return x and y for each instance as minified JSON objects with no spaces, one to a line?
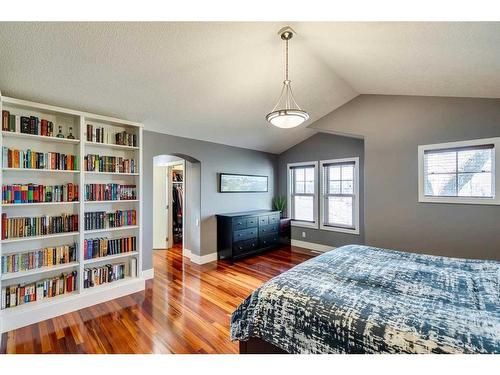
{"x":359,"y":299}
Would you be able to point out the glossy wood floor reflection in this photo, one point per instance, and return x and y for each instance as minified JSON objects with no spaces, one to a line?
{"x":185,"y":309}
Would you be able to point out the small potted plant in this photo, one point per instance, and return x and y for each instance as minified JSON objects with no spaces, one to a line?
{"x":279,"y":204}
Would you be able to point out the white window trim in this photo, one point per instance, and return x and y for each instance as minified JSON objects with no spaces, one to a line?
{"x":354,"y":230}
{"x":461,"y":200}
{"x":297,"y":223}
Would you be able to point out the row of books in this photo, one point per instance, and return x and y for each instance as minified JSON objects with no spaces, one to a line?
{"x":103,"y":219}
{"x":47,"y":257}
{"x":109,"y":192}
{"x":19,"y":227}
{"x":34,"y":193}
{"x":13,"y":158}
{"x":102,"y":247}
{"x":20,"y":294}
{"x":104,"y":274}
{"x":117,"y":164}
{"x":96,"y":135}
{"x":126,"y":139}
{"x":27,"y":124}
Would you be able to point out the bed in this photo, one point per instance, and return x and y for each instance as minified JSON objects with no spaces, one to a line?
{"x":360,"y":299}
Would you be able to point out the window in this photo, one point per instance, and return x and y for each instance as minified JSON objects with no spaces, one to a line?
{"x":302,"y":197}
{"x":458,"y":172}
{"x":340,"y":195}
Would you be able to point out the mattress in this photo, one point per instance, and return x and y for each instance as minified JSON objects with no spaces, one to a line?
{"x":360,"y":299}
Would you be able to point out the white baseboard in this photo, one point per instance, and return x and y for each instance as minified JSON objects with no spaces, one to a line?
{"x":203,"y":259}
{"x":199,"y":259}
{"x":186,"y":253}
{"x":312,"y":246}
{"x":148,"y":274}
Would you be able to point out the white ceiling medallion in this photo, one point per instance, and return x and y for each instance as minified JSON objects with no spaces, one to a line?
{"x":286,"y":113}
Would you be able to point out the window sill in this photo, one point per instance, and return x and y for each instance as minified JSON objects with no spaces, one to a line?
{"x":459,"y":200}
{"x":304,"y":224}
{"x":339,"y":229}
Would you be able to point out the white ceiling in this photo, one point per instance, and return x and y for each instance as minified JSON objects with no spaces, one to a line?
{"x":216,"y":81}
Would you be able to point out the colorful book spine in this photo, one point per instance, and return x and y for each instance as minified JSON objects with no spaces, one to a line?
{"x":20,"y":294}
{"x":20,"y":227}
{"x":109,"y":192}
{"x":13,"y":158}
{"x":98,"y":163}
{"x":103,"y":247}
{"x":104,"y":274}
{"x":34,"y":193}
{"x":47,"y":257}
{"x":104,"y":220}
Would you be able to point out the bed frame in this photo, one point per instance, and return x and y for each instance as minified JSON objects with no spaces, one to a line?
{"x":255,"y":345}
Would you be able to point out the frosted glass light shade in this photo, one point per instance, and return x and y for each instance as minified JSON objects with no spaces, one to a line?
{"x":287,"y":118}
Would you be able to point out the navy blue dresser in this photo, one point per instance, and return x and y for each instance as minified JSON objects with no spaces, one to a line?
{"x":241,"y":234}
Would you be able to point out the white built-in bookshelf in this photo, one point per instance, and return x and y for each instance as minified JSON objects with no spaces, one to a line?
{"x":80,"y":297}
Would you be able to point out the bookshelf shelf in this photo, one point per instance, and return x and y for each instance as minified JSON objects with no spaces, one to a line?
{"x":110,"y":257}
{"x":37,"y":271}
{"x":76,"y":122}
{"x":33,"y":170}
{"x":11,"y":312}
{"x":115,"y":201}
{"x":34,"y":238}
{"x":111,"y":285}
{"x":113,"y":173}
{"x":125,"y":227}
{"x":38,"y":204}
{"x":32,"y":137}
{"x":110,"y":145}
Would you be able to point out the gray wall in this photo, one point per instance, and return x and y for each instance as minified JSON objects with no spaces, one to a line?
{"x":323,"y":146}
{"x":393,"y":127}
{"x":213,"y":158}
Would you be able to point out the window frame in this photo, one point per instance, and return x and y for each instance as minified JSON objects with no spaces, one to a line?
{"x":290,"y":182}
{"x":323,"y":196}
{"x":495,"y":200}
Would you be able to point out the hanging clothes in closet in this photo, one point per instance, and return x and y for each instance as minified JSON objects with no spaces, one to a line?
{"x":177,"y":205}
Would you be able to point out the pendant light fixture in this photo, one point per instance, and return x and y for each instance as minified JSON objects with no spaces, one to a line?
{"x":286,"y":113}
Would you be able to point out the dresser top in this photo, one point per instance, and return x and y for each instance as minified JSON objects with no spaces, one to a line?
{"x":247,"y":213}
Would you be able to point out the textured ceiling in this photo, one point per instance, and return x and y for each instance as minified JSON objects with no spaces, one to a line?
{"x":216,"y":81}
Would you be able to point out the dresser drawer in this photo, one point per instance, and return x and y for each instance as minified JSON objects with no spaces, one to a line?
{"x":245,"y":247}
{"x":269,"y":240}
{"x":244,"y":234}
{"x":252,"y":222}
{"x":263,"y":220}
{"x":274,"y":219}
{"x":268,"y":229}
{"x":239,"y":223}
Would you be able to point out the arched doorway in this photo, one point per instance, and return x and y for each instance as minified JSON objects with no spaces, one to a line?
{"x":176,"y":202}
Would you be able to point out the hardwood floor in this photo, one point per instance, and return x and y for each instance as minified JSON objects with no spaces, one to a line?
{"x":186,"y":308}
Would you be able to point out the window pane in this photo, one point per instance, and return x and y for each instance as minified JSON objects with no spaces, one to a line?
{"x":475,"y":185}
{"x":334,"y":173}
{"x":340,"y":211}
{"x":299,"y":174}
{"x":299,"y":187}
{"x":310,"y":187}
{"x":348,"y":172}
{"x":309,"y":174}
{"x":347,"y":187}
{"x":303,"y":207}
{"x":441,"y":185}
{"x":475,"y":160}
{"x":334,"y":187}
{"x":440,"y":162}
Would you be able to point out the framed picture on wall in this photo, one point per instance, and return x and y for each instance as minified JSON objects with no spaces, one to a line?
{"x":242,"y":183}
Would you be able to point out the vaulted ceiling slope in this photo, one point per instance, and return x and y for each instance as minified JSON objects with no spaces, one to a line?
{"x":216,"y":81}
